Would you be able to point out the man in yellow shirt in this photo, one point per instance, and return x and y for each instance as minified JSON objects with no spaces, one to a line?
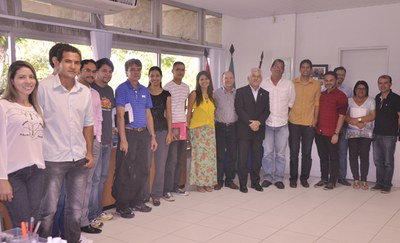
{"x":302,"y":120}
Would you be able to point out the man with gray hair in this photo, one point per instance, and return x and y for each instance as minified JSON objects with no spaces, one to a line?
{"x":252,"y":108}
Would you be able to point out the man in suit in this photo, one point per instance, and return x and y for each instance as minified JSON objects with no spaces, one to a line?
{"x":252,"y":108}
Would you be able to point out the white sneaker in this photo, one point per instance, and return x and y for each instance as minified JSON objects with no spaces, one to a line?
{"x":105,"y":216}
{"x":181,"y":192}
{"x":96,"y":224}
{"x":168,"y":197}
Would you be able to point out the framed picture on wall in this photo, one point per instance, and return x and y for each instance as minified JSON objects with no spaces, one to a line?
{"x":318,"y":71}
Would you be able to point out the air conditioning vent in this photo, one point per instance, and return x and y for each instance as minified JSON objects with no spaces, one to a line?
{"x":96,"y":6}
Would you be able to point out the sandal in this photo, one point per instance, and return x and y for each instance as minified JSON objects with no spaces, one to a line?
{"x":201,"y":189}
{"x":209,"y":188}
{"x":356,"y":184}
{"x":364,"y":185}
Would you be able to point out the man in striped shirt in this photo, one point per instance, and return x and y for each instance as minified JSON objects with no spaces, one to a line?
{"x":173,"y":169}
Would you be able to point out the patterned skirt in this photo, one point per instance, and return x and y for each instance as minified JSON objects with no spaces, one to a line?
{"x":203,"y":170}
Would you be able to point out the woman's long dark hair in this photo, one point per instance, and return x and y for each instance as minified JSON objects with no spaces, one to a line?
{"x":199,"y":94}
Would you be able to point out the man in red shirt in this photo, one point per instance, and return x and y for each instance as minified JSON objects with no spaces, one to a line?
{"x":332,"y":111}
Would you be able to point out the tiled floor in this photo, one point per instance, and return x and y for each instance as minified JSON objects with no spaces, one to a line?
{"x":289,"y":215}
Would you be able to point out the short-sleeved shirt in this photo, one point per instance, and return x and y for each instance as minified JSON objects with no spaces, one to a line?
{"x":159,"y":110}
{"x":386,"y":120}
{"x":139,"y":99}
{"x":107,"y":104}
{"x":65,"y":115}
{"x":203,"y":114}
{"x":331,"y":105}
{"x":179,"y":94}
{"x":356,"y":111}
{"x":306,"y":101}
{"x":21,"y":138}
{"x":346,"y":90}
{"x":225,"y":106}
{"x":281,"y":98}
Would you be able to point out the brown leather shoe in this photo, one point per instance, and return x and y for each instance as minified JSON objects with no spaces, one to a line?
{"x":218,"y":187}
{"x":232,"y":185}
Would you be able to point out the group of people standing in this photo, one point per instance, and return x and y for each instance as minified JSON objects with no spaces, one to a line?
{"x":57,"y":136}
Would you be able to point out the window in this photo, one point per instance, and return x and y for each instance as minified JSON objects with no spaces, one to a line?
{"x":47,"y":9}
{"x":4,"y":61}
{"x":138,"y":18}
{"x":36,"y":52}
{"x":192,"y":67}
{"x":120,"y":56}
{"x":178,"y":22}
{"x":213,"y":29}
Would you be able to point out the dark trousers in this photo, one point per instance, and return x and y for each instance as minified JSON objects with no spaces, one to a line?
{"x":27,"y":186}
{"x":131,"y":170}
{"x":245,"y":147}
{"x":226,"y":151}
{"x":304,"y":135}
{"x":329,"y":158}
{"x":359,"y":148}
{"x":173,"y":167}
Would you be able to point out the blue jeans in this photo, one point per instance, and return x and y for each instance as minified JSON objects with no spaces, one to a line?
{"x":90,"y":187}
{"x":274,"y":160}
{"x":383,"y":152}
{"x":304,"y":135}
{"x":74,"y":175}
{"x":343,"y":146}
{"x":27,"y":186}
{"x":100,"y":175}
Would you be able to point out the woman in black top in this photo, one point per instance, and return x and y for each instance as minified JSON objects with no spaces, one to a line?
{"x":161,"y":112}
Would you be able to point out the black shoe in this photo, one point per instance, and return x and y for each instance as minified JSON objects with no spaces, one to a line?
{"x":280,"y":185}
{"x":90,"y":230}
{"x":257,"y":187}
{"x":266,"y":183}
{"x":126,"y":213}
{"x":320,"y":183}
{"x":243,"y":189}
{"x":304,"y":183}
{"x":377,"y":187}
{"x":146,"y":200}
{"x":329,"y":186}
{"x":142,"y":208}
{"x":156,"y":202}
{"x":344,"y":182}
{"x":385,"y":190}
{"x":293,"y":184}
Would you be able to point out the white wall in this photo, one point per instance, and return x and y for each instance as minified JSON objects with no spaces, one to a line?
{"x":319,"y":37}
{"x":251,"y":37}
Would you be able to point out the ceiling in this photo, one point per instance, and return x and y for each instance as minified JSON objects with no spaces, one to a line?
{"x":247,"y":9}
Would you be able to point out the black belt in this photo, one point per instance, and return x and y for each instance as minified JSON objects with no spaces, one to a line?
{"x":140,"y":129}
{"x":226,"y":124}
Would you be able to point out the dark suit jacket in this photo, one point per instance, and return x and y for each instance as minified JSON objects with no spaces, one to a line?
{"x":248,"y":109}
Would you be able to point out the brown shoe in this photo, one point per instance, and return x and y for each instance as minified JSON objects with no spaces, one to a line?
{"x":218,"y":187}
{"x":232,"y":185}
